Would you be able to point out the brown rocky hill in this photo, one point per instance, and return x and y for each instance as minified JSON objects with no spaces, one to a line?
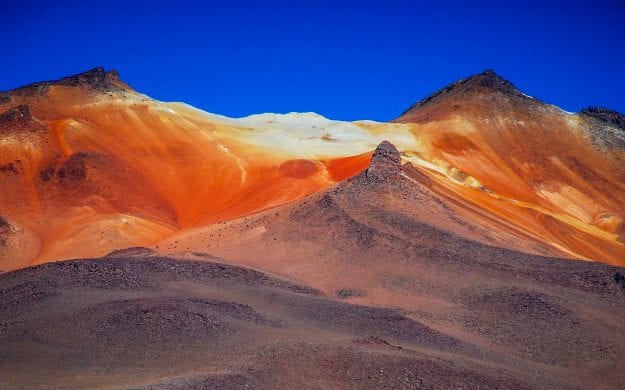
{"x":380,"y":293}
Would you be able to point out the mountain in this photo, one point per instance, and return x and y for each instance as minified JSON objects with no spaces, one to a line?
{"x":398,"y":301}
{"x":443,"y":249}
{"x":89,"y":166}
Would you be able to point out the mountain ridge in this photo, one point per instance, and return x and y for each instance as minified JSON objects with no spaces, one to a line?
{"x":480,"y":240}
{"x":487,"y":80}
{"x":529,"y":167}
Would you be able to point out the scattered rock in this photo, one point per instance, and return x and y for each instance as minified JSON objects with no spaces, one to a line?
{"x":18,"y":116}
{"x":349,"y":293}
{"x":19,"y":113}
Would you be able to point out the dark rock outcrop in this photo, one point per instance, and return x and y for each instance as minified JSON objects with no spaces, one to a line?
{"x":96,"y":79}
{"x":20,"y":120}
{"x":605,"y":115}
{"x":11,"y":168}
{"x":385,"y":162}
{"x":75,"y":167}
{"x":488,"y":80}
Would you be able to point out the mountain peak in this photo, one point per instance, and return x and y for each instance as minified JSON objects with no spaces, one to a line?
{"x":486,"y":83}
{"x":96,"y":79}
{"x":491,"y":80}
{"x":385,"y":162}
{"x":605,"y":115}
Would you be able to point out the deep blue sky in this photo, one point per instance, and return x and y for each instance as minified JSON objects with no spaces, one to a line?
{"x":345,"y":60}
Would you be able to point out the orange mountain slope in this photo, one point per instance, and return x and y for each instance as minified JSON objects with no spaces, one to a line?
{"x":559,"y":176}
{"x":88,"y":165}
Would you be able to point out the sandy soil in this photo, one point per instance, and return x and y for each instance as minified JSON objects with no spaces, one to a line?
{"x":146,"y":321}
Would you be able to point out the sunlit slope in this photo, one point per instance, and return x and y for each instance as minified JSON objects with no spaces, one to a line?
{"x":525,"y":175}
{"x":88,"y":169}
{"x":88,"y":165}
{"x":557,"y":175}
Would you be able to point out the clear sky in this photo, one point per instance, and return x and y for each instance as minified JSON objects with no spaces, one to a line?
{"x":344,"y":60}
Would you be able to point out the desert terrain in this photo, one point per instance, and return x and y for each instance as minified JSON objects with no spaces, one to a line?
{"x":476,"y":241}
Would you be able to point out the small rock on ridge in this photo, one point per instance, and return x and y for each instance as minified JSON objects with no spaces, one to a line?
{"x":385,"y":162}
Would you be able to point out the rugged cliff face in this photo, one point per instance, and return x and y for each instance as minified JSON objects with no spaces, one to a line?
{"x":88,"y":165}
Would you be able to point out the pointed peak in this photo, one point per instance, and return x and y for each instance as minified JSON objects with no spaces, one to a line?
{"x":488,"y":80}
{"x":486,"y":83}
{"x":385,"y":162}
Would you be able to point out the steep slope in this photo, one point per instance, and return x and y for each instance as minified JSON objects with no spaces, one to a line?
{"x":532,"y":158}
{"x":383,"y":296}
{"x":385,"y":239}
{"x":88,"y":165}
{"x":436,"y":259}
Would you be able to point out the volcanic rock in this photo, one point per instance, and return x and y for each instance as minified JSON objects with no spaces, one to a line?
{"x":385,"y":162}
{"x":96,"y":79}
{"x":605,"y":115}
